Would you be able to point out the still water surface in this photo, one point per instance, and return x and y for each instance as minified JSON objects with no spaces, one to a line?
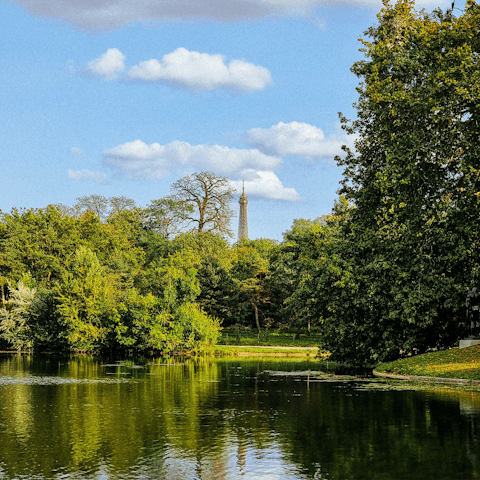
{"x":84,"y":418}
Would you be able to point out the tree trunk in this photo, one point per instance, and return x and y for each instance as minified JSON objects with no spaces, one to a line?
{"x":256,"y":317}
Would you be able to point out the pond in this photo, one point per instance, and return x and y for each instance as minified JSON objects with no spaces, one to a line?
{"x":88,"y":418}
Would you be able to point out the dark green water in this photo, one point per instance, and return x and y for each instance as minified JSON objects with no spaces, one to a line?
{"x":82,"y":418}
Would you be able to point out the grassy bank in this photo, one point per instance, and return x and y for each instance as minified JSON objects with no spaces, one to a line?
{"x":245,"y":342}
{"x":454,"y":363}
{"x":261,"y":351}
{"x":242,"y":336}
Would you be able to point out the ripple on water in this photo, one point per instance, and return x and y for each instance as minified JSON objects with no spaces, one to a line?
{"x":36,"y":380}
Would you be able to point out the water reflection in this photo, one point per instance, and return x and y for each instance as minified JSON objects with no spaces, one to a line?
{"x":82,"y":418}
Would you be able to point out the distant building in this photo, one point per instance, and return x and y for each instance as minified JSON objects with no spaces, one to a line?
{"x":242,"y":221}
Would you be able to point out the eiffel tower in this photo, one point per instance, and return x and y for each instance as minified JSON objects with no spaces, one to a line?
{"x":242,"y":221}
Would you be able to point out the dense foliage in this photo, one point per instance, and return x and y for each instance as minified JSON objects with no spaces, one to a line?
{"x":101,"y":276}
{"x":388,"y":275}
{"x":414,"y":181}
{"x":106,"y":275}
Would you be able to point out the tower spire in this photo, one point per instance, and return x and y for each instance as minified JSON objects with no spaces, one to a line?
{"x":242,"y":221}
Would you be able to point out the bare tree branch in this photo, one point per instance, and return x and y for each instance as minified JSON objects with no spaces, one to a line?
{"x":208,"y":198}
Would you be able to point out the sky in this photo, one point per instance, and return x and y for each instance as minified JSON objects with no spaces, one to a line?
{"x":123,"y":98}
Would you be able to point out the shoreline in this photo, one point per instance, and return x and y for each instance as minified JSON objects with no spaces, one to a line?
{"x":232,"y":351}
{"x":426,"y":379}
{"x":261,"y":351}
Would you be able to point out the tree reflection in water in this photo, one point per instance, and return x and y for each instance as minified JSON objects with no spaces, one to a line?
{"x":202,"y":418}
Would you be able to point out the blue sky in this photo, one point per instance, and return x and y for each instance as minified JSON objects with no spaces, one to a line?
{"x":122,"y":97}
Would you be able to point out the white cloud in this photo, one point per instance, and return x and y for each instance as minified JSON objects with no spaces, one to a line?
{"x":202,"y":71}
{"x":297,"y":139}
{"x":108,"y":65}
{"x":265,"y":184}
{"x":155,"y":161}
{"x":185,"y":69}
{"x":97,"y":177}
{"x":105,"y":14}
{"x":255,"y":165}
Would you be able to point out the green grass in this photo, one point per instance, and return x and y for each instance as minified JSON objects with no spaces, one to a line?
{"x":230,"y":336}
{"x":247,"y":342}
{"x":252,"y":351}
{"x":454,"y":363}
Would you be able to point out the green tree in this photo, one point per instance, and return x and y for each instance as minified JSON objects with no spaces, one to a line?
{"x":15,"y":325}
{"x":42,"y":241}
{"x":98,"y":286}
{"x":36,"y":241}
{"x":45,"y":323}
{"x":168,"y":317}
{"x":87,"y":299}
{"x":213,"y":264}
{"x":249,"y":272}
{"x":186,"y":328}
{"x":410,"y":248}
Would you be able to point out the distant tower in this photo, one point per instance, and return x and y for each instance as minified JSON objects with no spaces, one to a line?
{"x":242,"y":221}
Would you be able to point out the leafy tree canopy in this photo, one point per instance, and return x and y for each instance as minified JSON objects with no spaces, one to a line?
{"x":411,"y":243}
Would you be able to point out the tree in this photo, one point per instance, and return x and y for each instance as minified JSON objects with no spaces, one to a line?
{"x":410,"y":247}
{"x":15,"y":325}
{"x":298,"y":272}
{"x":96,"y":204}
{"x":63,"y":209}
{"x":166,"y":216}
{"x":99,"y":205}
{"x":213,"y":266}
{"x":88,"y":298}
{"x":249,"y":273}
{"x":121,"y":204}
{"x":167,"y":318}
{"x":41,"y":242}
{"x":205,"y":199}
{"x":36,"y":241}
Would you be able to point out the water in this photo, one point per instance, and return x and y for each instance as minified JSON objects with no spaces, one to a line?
{"x":84,"y":418}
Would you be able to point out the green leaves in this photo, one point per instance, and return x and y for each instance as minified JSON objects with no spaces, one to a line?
{"x":87,"y":302}
{"x":411,"y":243}
{"x":92,"y":290}
{"x":15,"y":327}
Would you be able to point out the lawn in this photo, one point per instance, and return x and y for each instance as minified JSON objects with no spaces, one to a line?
{"x":241,"y":341}
{"x":243,"y":336}
{"x":454,"y":363}
{"x":262,"y":351}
